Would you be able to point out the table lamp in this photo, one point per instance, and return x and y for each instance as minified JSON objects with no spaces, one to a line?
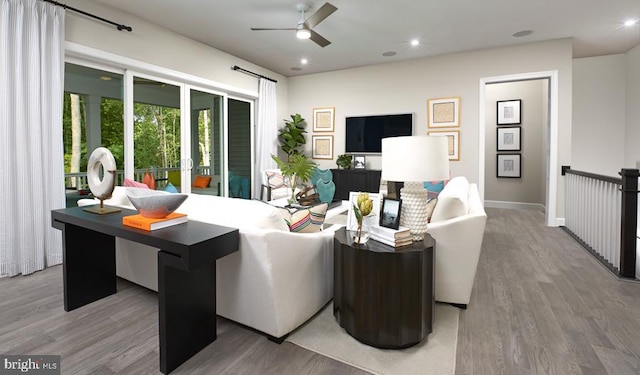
{"x":414,"y":160}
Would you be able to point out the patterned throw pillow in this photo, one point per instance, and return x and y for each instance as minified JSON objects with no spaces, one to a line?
{"x":434,"y":188}
{"x":275,"y":180}
{"x":131,"y":183}
{"x":431,"y":205}
{"x":305,"y":220}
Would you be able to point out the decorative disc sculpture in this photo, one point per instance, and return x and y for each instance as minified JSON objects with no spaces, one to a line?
{"x":101,"y":188}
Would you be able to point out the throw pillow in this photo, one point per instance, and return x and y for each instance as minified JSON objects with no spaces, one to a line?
{"x":275,"y":180}
{"x":201,"y":181}
{"x":434,"y":187}
{"x":431,"y":205}
{"x":305,"y":220}
{"x":170,"y":188}
{"x":174,"y":177}
{"x":149,"y":180}
{"x":131,"y":183}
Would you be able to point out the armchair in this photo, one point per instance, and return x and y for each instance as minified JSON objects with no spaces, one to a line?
{"x":273,"y":183}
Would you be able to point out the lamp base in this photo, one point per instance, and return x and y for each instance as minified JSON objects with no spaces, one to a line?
{"x":414,"y":209}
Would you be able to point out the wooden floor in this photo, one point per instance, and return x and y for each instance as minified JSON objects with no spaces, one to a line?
{"x":540,"y":305}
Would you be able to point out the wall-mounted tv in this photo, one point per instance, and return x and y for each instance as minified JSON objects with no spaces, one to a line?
{"x":364,"y":133}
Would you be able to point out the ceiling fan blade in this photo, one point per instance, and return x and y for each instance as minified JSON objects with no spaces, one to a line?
{"x":271,"y":28}
{"x":319,"y":39}
{"x":322,"y":13}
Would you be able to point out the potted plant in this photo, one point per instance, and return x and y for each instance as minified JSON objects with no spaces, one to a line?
{"x":344,"y":161}
{"x":297,"y":168}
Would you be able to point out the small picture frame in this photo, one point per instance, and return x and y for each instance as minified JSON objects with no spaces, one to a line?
{"x":509,"y":111}
{"x":390,"y":213}
{"x":324,"y":119}
{"x":359,"y":162}
{"x":508,"y":166}
{"x":444,"y":112}
{"x":372,"y":218}
{"x":508,"y":138}
{"x":322,"y":147}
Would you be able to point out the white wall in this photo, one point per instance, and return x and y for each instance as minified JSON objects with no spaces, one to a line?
{"x":406,"y":86}
{"x":599,"y":106}
{"x":632,"y":133}
{"x":528,"y":188}
{"x":158,"y":46}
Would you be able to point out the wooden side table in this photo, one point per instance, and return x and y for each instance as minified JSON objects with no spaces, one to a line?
{"x":382,"y":296}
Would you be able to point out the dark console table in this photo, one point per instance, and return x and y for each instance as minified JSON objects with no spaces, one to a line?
{"x":186,"y":273}
{"x":384,"y":297}
{"x":347,"y":180}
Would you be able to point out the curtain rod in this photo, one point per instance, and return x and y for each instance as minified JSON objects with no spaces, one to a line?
{"x":236,"y":67}
{"x":65,"y":6}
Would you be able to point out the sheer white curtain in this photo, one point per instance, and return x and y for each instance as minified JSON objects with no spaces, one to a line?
{"x":31,"y":92}
{"x":267,"y":132}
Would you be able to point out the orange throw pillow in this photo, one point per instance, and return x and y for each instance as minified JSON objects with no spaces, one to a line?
{"x":201,"y":181}
{"x":149,"y":180}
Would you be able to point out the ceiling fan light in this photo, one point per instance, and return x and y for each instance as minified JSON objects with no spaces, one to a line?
{"x":303,"y":34}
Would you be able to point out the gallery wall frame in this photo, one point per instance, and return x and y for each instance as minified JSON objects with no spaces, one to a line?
{"x":508,"y":166}
{"x":509,"y":111}
{"x":324,"y":119}
{"x":453,"y":141}
{"x":444,"y":112}
{"x":322,"y":147}
{"x":508,"y":138}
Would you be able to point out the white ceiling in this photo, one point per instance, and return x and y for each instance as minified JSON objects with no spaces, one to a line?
{"x":362,"y":30}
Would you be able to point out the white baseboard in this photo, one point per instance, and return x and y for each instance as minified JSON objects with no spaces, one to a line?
{"x":514,"y":205}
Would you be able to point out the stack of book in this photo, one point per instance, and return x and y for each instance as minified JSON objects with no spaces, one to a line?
{"x":141,"y":222}
{"x":392,"y":237}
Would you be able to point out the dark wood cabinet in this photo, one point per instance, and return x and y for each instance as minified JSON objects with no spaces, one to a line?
{"x":347,"y":180}
{"x":384,"y":297}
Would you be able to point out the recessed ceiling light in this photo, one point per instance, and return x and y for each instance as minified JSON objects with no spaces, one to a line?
{"x":304,"y":61}
{"x":629,"y":23}
{"x":522,"y":33}
{"x":415,"y":42}
{"x":296,"y":68}
{"x":105,"y":78}
{"x":389,"y":54}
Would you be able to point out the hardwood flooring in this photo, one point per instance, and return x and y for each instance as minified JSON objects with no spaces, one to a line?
{"x":540,"y":305}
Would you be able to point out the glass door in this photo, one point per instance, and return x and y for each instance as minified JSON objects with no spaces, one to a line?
{"x":240,"y":146}
{"x":207,"y":142}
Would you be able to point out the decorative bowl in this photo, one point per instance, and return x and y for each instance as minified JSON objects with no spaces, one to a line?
{"x":154,"y":204}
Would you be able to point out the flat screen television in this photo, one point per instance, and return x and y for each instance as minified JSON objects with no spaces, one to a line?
{"x":364,"y":133}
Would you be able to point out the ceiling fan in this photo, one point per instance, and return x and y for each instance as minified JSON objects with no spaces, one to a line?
{"x":304,"y":29}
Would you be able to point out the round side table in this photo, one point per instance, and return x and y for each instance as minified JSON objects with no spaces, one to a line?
{"x":384,"y":296}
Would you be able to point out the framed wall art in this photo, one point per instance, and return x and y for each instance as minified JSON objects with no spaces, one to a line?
{"x":509,"y":111}
{"x":508,"y":138}
{"x":324,"y":119}
{"x":453,"y":140}
{"x":444,"y":112}
{"x":322,"y":146}
{"x":509,"y":166}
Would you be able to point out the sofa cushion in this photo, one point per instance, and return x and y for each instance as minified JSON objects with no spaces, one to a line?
{"x":453,"y":200}
{"x":305,"y":220}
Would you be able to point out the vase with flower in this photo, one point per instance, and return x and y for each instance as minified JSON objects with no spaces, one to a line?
{"x":362,"y":208}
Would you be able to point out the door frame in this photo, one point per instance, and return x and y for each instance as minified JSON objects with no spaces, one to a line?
{"x":552,"y":158}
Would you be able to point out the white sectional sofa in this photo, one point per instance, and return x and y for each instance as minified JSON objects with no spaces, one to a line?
{"x":274,"y":283}
{"x":457,"y":225}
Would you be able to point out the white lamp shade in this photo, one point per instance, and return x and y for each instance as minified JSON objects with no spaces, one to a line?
{"x":415,"y":158}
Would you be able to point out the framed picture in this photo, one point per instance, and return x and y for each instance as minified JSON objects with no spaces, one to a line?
{"x":509,"y":112}
{"x":453,"y":139}
{"x":322,"y":146}
{"x":508,"y":138}
{"x":359,"y":162}
{"x":444,"y":112}
{"x":372,"y":218}
{"x":390,"y":213}
{"x":324,"y":119}
{"x":509,"y":166}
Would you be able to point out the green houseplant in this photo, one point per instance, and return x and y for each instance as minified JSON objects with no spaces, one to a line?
{"x":344,"y":161}
{"x":297,"y":168}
